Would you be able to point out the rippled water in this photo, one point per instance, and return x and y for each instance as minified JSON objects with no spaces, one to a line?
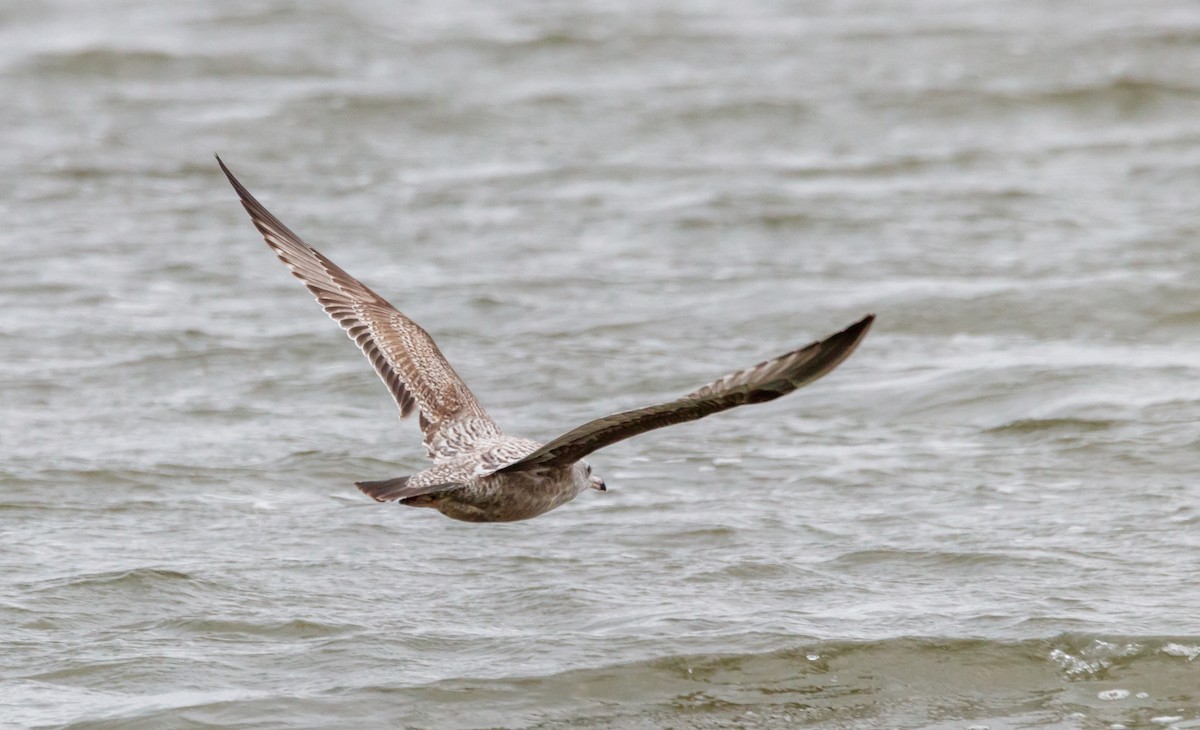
{"x":987,"y":517}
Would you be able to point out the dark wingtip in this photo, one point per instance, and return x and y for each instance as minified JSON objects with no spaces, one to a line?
{"x":228,"y":174}
{"x":855,"y":332}
{"x":258,"y":212}
{"x":834,"y":349}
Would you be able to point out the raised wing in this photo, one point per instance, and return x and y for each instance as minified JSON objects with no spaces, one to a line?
{"x":763,"y":382}
{"x":403,"y":354}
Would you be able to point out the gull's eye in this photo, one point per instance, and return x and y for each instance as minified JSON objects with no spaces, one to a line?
{"x":589,"y":470}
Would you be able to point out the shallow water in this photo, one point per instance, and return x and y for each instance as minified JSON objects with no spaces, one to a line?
{"x":987,"y":517}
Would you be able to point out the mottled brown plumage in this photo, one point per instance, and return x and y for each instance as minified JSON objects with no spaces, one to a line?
{"x":479,"y":474}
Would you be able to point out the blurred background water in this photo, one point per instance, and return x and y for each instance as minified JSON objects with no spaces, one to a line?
{"x":988,"y":517}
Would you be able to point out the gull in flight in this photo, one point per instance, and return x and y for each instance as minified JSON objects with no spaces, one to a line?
{"x":479,"y":473}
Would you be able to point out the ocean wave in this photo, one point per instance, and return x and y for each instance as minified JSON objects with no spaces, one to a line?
{"x":1068,"y":680}
{"x":109,"y":62}
{"x":1054,"y":425}
{"x":126,"y":585}
{"x":903,"y":682}
{"x":244,"y":629}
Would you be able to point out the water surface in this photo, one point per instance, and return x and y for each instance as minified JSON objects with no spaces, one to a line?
{"x":987,"y":517}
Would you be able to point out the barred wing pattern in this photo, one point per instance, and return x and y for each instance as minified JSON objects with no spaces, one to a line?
{"x":404,"y":355}
{"x":763,"y":382}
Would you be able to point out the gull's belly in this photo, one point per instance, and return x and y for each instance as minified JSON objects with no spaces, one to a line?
{"x":510,"y":497}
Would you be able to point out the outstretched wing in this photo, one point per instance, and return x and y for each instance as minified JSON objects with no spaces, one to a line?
{"x":403,"y":354}
{"x":763,"y":382}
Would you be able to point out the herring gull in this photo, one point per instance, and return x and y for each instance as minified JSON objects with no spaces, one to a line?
{"x":479,"y":473}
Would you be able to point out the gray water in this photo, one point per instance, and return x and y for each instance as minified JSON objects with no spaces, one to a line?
{"x":988,"y":517}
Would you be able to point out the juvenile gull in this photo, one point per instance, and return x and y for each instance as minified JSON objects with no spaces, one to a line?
{"x":480,"y":474}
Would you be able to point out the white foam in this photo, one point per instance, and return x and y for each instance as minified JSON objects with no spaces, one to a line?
{"x":1173,"y":649}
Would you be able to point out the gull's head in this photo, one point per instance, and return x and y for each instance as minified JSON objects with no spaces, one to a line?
{"x":585,"y":479}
